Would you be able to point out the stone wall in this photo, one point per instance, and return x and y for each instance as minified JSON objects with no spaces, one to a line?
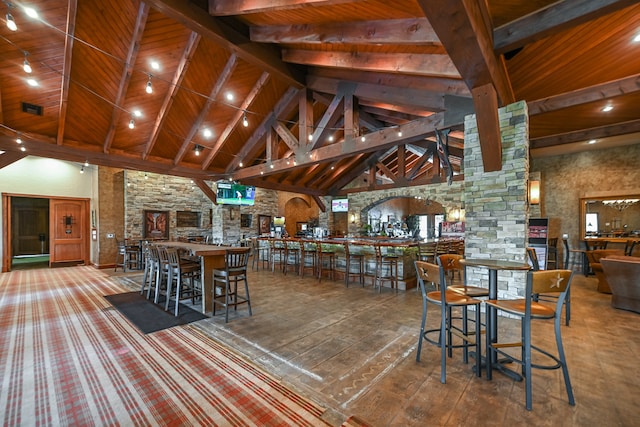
{"x":496,"y":202}
{"x":567,"y":178}
{"x":148,"y":191}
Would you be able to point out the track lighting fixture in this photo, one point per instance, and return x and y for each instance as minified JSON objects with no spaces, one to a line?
{"x":18,"y":139}
{"x":146,"y":176}
{"x":25,"y":65}
{"x":81,"y":169}
{"x":197,"y":149}
{"x":245,"y":122}
{"x":149,"y":89}
{"x":86,"y":163}
{"x":132,"y":124}
{"x":23,"y":148}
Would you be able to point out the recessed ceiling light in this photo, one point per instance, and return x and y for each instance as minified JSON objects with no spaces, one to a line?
{"x":137,"y":113}
{"x":31,"y":12}
{"x":155,"y":65}
{"x":207,"y":133}
{"x":607,"y":108}
{"x":636,"y":38}
{"x":592,"y":141}
{"x":229,"y":96}
{"x":32,"y":82}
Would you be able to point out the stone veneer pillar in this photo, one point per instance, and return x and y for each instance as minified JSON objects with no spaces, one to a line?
{"x":496,"y":202}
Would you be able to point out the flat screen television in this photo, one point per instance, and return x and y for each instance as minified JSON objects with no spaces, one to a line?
{"x":340,"y":205}
{"x":230,"y":193}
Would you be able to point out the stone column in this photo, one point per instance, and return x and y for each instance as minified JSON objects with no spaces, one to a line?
{"x":496,"y":202}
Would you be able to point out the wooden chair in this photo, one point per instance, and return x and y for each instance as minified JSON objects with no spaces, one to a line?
{"x":353,"y":259}
{"x":450,"y":326}
{"x":556,"y":282}
{"x":183,"y":275}
{"x":386,"y":268}
{"x":309,"y":258}
{"x":427,"y":252}
{"x":552,"y":254}
{"x":324,"y":253}
{"x":225,"y":282}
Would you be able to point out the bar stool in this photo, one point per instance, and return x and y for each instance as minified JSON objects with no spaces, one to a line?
{"x":309,"y":258}
{"x":277,"y":249}
{"x":447,"y":299}
{"x":260,"y":254}
{"x":427,"y":252}
{"x":328,"y":255}
{"x":573,"y":257}
{"x":389,"y":262}
{"x":182,"y":277}
{"x":127,"y":256}
{"x":225,"y":282}
{"x":292,"y":255}
{"x":353,"y":259}
{"x":527,"y":309}
{"x":151,"y":266}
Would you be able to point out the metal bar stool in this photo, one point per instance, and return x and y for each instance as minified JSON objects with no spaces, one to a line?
{"x":225,"y":281}
{"x":528,"y":310}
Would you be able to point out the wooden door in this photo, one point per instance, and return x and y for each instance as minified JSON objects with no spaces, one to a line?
{"x":69,"y":230}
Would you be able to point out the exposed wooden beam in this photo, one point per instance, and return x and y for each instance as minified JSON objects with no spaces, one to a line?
{"x":283,"y":108}
{"x":449,"y":86}
{"x":554,"y":18}
{"x":222,"y":80}
{"x":382,"y":139}
{"x":465,"y":32}
{"x":286,"y":135}
{"x":486,"y":105}
{"x":176,"y":81}
{"x":207,"y":190}
{"x":10,"y":157}
{"x":624,"y":128}
{"x":240,"y":7}
{"x":393,"y":31}
{"x":332,"y":114}
{"x":246,"y":103}
{"x":406,"y":96}
{"x":425,"y":65}
{"x":600,"y":92}
{"x":43,"y":146}
{"x":70,"y":31}
{"x":127,"y":71}
{"x":266,"y":57}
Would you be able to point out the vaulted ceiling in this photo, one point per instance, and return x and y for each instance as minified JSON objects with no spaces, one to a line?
{"x":330,"y":90}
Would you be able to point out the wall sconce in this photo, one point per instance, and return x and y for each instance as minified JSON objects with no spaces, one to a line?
{"x":353,"y":218}
{"x":534,"y":192}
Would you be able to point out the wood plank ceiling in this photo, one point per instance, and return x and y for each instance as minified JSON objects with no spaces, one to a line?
{"x":336,"y":95}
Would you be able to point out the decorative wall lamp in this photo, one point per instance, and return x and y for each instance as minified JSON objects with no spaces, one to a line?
{"x":534,"y":192}
{"x":353,"y":218}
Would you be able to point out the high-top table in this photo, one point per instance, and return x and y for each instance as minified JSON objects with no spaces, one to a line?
{"x":211,"y":257}
{"x":494,"y":265}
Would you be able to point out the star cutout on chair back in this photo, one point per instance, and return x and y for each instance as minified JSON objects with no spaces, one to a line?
{"x":555,"y":281}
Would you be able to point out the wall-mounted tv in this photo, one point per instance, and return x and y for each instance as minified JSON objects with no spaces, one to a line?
{"x":230,"y":193}
{"x":340,"y":205}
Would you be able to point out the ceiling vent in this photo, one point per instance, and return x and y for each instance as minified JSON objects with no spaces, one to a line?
{"x":31,"y":109}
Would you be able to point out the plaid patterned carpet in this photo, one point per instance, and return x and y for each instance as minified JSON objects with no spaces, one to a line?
{"x":68,"y":358}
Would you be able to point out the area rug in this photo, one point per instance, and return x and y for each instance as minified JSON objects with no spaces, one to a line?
{"x":150,"y":317}
{"x":68,"y":358}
